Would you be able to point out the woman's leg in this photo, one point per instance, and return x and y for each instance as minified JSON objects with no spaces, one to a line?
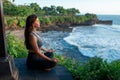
{"x":45,"y":64}
{"x":33,"y":63}
{"x":49,"y":54}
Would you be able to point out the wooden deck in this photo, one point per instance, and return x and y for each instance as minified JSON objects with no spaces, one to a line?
{"x":57,"y":73}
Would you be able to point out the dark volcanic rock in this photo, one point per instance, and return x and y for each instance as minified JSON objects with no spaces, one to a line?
{"x":67,"y":26}
{"x":108,"y":22}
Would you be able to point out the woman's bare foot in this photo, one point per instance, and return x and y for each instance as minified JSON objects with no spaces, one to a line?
{"x":48,"y":69}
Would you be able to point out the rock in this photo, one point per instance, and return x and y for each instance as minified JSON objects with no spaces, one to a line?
{"x":108,"y":22}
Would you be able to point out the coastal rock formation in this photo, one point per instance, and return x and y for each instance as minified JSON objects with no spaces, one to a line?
{"x":107,"y":22}
{"x":68,"y":26}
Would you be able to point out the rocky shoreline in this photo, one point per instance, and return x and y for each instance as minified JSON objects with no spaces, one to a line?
{"x":67,"y":27}
{"x":55,"y":40}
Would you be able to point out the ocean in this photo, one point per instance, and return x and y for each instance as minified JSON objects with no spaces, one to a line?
{"x":98,"y":40}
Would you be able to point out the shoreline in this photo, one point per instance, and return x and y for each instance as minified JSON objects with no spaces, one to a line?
{"x":56,"y":39}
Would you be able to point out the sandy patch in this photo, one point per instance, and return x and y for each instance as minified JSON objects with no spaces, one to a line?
{"x":18,"y":33}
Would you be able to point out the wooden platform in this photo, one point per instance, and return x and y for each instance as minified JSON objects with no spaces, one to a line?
{"x":57,"y":73}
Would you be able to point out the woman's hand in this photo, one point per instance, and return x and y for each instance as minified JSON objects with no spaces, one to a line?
{"x":51,"y":50}
{"x":56,"y":60}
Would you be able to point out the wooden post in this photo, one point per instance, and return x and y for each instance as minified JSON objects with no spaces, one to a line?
{"x":3,"y":51}
{"x":8,"y":70}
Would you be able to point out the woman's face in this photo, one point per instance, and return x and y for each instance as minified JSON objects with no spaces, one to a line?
{"x":36,"y":23}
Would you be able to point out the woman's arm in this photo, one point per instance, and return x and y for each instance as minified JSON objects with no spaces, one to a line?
{"x":50,"y":50}
{"x":44,"y":49}
{"x":33,"y":42}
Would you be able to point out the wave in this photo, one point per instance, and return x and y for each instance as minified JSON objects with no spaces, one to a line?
{"x":110,"y":27}
{"x":97,"y":40}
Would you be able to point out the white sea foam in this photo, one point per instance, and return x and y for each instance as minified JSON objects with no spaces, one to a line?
{"x":97,"y":40}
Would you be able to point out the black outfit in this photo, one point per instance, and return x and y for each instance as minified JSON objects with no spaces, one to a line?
{"x":34,"y":61}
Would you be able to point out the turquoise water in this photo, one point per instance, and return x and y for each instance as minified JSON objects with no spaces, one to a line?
{"x":98,"y":40}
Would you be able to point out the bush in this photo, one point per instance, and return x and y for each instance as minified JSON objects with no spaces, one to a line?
{"x":45,"y":20}
{"x":94,"y":69}
{"x":15,"y":47}
{"x":54,"y":19}
{"x":10,"y":22}
{"x":21,"y":23}
{"x":115,"y":69}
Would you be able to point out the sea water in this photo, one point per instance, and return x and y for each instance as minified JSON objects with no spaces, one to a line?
{"x":99,"y":39}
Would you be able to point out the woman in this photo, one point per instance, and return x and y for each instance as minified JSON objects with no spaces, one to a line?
{"x":36,"y":59}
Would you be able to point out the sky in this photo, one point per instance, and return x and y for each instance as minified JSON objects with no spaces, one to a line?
{"x":84,"y":6}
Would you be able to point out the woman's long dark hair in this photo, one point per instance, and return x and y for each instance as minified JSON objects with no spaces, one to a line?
{"x":28,"y":28}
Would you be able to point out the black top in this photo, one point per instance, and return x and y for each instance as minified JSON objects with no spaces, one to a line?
{"x":39,"y":42}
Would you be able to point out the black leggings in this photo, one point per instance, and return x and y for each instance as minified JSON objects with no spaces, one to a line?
{"x":36,"y":62}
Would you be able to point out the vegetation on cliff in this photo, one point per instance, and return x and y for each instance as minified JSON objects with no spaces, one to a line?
{"x":51,"y":17}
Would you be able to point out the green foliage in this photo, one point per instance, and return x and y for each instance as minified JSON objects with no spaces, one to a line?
{"x":35,"y":7}
{"x":17,"y":22}
{"x":54,"y":19}
{"x":94,"y":69}
{"x":45,"y":20}
{"x":15,"y":47}
{"x":57,"y":19}
{"x":9,"y":8}
{"x":10,"y":22}
{"x":72,"y":11}
{"x":21,"y":23}
{"x":91,"y":16}
{"x":48,"y":15}
{"x":83,"y":19}
{"x":61,"y":20}
{"x":115,"y":69}
{"x":61,"y":10}
{"x":25,"y":10}
{"x":72,"y":65}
